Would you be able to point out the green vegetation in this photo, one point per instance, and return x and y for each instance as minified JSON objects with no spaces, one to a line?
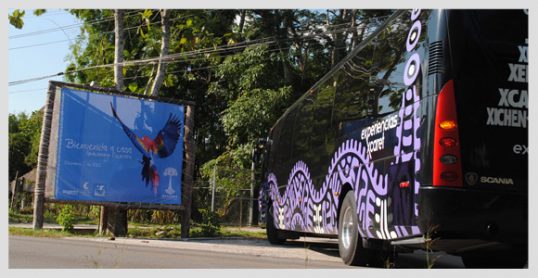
{"x":24,"y":135}
{"x":210,"y":225}
{"x":66,"y":218}
{"x":242,"y":68}
{"x":148,"y":232}
{"x":151,"y":224}
{"x":52,"y":233}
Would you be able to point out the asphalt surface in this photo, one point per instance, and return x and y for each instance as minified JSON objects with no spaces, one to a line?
{"x":309,"y":253}
{"x":31,"y":252}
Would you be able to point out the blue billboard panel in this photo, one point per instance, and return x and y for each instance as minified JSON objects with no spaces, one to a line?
{"x":115,"y":148}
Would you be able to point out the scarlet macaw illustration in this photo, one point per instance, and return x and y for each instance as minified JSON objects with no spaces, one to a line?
{"x":163,"y":146}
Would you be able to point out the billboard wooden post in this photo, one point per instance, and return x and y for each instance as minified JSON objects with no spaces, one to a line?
{"x":188,"y":171}
{"x":39,"y":189}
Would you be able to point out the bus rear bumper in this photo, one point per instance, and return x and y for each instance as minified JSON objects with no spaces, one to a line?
{"x":456,"y":213}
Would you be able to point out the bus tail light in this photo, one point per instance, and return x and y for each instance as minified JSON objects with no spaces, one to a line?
{"x":447,"y":142}
{"x":446,"y":150}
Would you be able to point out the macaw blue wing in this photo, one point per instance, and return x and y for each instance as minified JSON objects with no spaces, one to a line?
{"x":137,"y":142}
{"x":168,"y":136}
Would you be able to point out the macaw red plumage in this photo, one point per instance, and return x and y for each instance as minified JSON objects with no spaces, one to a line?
{"x":163,"y":145}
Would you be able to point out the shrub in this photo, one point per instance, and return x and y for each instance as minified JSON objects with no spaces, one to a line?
{"x":210,"y":225}
{"x":66,"y":218}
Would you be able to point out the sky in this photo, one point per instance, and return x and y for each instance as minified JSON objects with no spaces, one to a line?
{"x":35,"y":55}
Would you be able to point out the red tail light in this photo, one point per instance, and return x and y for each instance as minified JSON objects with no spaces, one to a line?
{"x":446,"y":150}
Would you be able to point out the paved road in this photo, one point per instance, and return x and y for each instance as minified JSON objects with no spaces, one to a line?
{"x":31,"y":252}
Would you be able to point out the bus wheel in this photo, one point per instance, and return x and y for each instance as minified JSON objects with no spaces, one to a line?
{"x":350,"y":245}
{"x":273,"y":234}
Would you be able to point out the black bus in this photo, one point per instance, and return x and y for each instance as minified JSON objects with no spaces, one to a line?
{"x":417,"y":139}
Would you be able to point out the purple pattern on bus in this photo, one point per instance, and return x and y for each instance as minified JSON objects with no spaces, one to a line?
{"x":303,"y":207}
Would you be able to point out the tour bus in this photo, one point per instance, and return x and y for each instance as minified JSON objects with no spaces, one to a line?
{"x":416,"y":140}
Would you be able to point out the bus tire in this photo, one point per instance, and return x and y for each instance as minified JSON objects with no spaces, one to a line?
{"x":273,"y":234}
{"x":350,"y":245}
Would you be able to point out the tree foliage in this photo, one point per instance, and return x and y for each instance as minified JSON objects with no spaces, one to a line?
{"x":24,"y":136}
{"x":242,"y":68}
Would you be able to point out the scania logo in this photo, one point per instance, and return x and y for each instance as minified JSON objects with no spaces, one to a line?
{"x":496,"y":180}
{"x":471,"y":178}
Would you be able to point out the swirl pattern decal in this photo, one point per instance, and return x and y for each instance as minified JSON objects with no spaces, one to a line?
{"x":306,"y":207}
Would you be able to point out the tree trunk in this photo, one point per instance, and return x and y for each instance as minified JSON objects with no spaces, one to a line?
{"x":118,"y":49}
{"x":190,"y":156}
{"x":355,"y":35}
{"x":242,"y":22}
{"x":14,"y":189}
{"x":103,"y":220}
{"x":164,"y":52}
{"x":282,"y":37}
{"x":115,"y":219}
{"x":150,"y":80}
{"x":41,"y":175}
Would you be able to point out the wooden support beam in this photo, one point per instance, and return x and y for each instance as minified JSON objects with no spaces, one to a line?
{"x":188,"y":170}
{"x":39,"y":189}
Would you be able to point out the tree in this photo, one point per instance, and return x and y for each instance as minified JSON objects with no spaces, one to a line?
{"x":242,"y":68}
{"x":118,"y":49}
{"x":24,"y":135}
{"x":164,"y":52}
{"x":16,"y":17}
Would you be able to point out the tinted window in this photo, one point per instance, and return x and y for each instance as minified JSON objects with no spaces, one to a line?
{"x":281,"y":148}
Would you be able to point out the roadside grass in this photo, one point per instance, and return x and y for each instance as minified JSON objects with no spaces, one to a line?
{"x":25,"y":218}
{"x":144,"y":231}
{"x":174,"y":232}
{"x":19,"y":218}
{"x":239,"y":232}
{"x":51,"y":233}
{"x":135,"y":230}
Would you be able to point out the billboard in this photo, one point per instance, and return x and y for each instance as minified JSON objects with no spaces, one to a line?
{"x":115,"y":148}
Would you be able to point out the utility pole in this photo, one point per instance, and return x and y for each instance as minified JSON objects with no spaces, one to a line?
{"x":213,"y":188}
{"x":252,"y":185}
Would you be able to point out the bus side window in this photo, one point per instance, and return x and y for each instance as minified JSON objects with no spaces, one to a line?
{"x":281,"y":149}
{"x":389,"y":100}
{"x":313,"y":139}
{"x":388,"y":64}
{"x":314,"y":120}
{"x":273,"y":147}
{"x":351,"y":100}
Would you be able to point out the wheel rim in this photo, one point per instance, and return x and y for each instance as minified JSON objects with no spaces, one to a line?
{"x":347,"y":228}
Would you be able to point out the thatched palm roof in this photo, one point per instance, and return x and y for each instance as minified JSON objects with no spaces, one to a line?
{"x":29,"y":181}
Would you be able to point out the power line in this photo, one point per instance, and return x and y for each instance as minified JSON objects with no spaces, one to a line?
{"x":28,"y":90}
{"x":71,"y":26}
{"x":126,"y":29}
{"x":38,"y":44}
{"x":174,"y":57}
{"x":329,"y":29}
{"x":34,"y":79}
{"x":102,"y":33}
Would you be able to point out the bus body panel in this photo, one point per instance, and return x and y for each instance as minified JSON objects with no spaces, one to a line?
{"x":333,"y":140}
